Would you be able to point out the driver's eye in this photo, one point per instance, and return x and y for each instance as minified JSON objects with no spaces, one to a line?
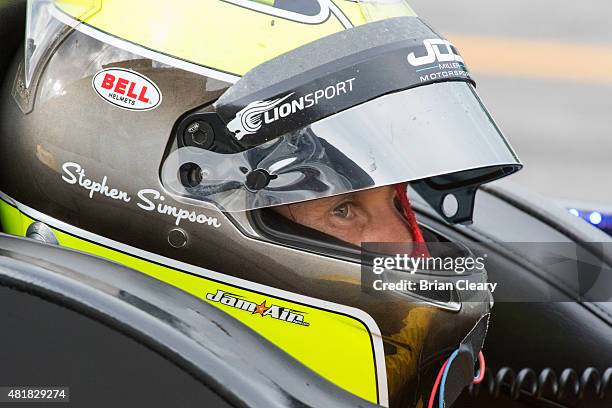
{"x":342,"y":211}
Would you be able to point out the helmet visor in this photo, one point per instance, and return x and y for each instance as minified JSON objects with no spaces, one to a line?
{"x":428,"y":131}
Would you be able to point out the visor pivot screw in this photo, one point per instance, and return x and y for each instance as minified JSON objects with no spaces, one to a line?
{"x":199,"y":134}
{"x":177,"y":238}
{"x":191,"y":175}
{"x":450,"y":205}
{"x":258,"y":179}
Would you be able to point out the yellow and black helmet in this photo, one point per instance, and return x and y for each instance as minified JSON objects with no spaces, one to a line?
{"x":159,"y":135}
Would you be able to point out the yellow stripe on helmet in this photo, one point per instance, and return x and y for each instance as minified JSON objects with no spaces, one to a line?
{"x":221,"y":35}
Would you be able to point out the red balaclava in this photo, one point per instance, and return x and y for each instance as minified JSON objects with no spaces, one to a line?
{"x":420,"y":248}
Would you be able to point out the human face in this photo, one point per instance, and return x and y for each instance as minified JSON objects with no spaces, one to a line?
{"x":373,"y":215}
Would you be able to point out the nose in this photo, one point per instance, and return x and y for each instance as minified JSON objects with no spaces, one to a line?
{"x":387,"y":225}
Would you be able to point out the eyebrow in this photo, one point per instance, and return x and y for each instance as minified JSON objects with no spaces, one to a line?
{"x":339,"y":198}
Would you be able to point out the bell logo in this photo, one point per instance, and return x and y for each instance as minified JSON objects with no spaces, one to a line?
{"x":127,"y":89}
{"x":437,"y":50}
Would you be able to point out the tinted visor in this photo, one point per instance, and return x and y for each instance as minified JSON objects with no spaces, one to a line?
{"x":431,"y":130}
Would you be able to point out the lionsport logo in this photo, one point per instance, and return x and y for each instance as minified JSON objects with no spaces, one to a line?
{"x":274,"y":311}
{"x":249,"y":119}
{"x":253,"y":116}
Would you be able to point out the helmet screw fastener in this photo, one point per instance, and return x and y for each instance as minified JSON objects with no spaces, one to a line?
{"x":258,"y":179}
{"x":450,"y":205}
{"x":199,"y":134}
{"x":177,"y":238}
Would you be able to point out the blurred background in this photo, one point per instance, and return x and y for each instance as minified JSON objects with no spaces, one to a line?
{"x":544,"y":70}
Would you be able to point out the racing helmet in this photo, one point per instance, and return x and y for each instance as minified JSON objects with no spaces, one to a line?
{"x":161,"y":136}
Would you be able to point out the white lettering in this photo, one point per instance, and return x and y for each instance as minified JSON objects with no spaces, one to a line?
{"x":309,"y":101}
{"x":285,"y":110}
{"x":66,"y":167}
{"x":73,"y":173}
{"x":319,"y":93}
{"x":250,"y":119}
{"x":179,"y":214}
{"x":148,"y":204}
{"x":93,"y":187}
{"x":350,"y":82}
{"x":432,"y":47}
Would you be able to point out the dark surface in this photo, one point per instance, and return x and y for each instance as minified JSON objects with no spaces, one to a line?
{"x":126,"y":332}
{"x":537,"y":335}
{"x":44,"y":344}
{"x":12,"y":27}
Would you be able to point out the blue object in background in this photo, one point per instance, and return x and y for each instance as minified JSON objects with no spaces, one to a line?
{"x":599,"y":219}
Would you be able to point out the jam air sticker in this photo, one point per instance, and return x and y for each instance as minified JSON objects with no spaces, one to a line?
{"x":273,"y":311}
{"x":127,"y":89}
